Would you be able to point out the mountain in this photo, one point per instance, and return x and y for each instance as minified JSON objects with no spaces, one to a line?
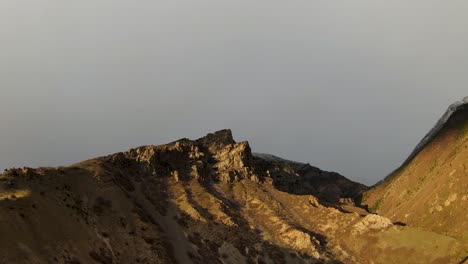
{"x":330,"y":187}
{"x":208,"y":200}
{"x":430,"y":189}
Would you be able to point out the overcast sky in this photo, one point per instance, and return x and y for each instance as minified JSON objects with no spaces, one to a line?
{"x":348,"y":86}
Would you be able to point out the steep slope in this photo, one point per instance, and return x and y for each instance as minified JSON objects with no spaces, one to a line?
{"x":195,"y":201}
{"x":430,"y":189}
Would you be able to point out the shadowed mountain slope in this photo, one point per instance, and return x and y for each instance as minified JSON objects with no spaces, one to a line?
{"x":331,"y":188}
{"x":198,"y":201}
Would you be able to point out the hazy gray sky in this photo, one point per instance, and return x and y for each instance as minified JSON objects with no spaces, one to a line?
{"x":349,"y":86}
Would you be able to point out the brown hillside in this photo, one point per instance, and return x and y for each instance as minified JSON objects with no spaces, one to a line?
{"x":198,"y":201}
{"x":431,"y":190}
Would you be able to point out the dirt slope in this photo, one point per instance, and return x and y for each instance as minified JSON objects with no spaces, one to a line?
{"x":431,"y":189}
{"x":198,"y":201}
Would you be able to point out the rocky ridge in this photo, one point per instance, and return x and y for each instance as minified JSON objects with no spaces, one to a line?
{"x":196,"y":201}
{"x":441,"y":123}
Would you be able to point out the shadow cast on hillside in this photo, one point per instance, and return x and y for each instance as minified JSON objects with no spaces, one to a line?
{"x":331,"y":189}
{"x":206,"y":236}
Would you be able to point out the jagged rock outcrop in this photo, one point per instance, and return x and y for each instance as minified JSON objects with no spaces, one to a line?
{"x":371,"y":222}
{"x":216,"y":157}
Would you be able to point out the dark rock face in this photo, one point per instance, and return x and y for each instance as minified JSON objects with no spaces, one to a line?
{"x":299,"y":178}
{"x":222,"y":137}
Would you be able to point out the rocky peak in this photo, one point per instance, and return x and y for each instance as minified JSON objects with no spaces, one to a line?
{"x":213,"y":157}
{"x":217,"y":157}
{"x":217,"y":139}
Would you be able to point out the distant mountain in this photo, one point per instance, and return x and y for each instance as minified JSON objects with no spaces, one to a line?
{"x":200,"y":201}
{"x":430,"y":189}
{"x":272,"y":158}
{"x":330,"y":187}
